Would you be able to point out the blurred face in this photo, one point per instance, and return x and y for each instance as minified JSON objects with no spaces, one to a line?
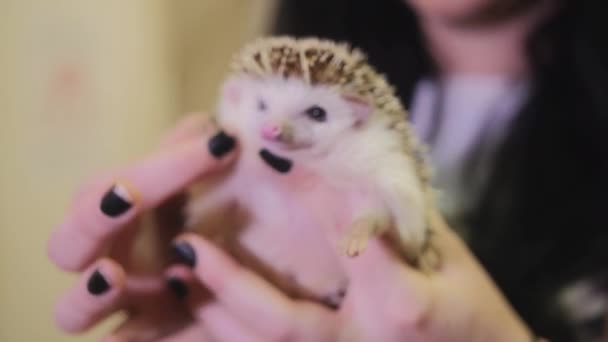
{"x":468,"y":11}
{"x":451,"y":10}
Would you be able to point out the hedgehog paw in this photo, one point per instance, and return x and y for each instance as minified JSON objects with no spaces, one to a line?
{"x":355,"y":242}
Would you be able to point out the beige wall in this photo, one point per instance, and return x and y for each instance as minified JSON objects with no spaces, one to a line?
{"x":84,"y":85}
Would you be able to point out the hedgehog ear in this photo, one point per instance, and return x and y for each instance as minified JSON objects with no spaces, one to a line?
{"x":361,"y":107}
{"x":232,"y":90}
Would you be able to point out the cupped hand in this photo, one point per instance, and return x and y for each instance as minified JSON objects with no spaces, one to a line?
{"x":387,"y":300}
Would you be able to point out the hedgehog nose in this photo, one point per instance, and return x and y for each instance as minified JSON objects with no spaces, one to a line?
{"x":271,"y":131}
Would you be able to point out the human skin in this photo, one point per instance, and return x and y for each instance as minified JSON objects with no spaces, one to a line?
{"x":458,"y":45}
{"x":387,"y":299}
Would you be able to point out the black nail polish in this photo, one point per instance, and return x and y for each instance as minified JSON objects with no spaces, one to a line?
{"x":178,"y":287}
{"x":97,"y":284}
{"x":280,"y":164}
{"x":185,"y":254}
{"x":221,"y":144}
{"x":116,"y":201}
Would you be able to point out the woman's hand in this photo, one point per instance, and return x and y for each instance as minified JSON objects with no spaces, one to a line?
{"x":98,"y":237}
{"x":386,"y":301}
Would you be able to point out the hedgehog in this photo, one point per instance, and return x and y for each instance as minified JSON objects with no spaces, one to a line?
{"x":325,"y":151}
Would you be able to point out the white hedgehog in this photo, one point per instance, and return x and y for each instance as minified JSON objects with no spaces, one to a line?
{"x":325,"y":148}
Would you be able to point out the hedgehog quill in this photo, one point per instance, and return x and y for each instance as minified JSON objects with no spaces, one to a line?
{"x":325,"y":147}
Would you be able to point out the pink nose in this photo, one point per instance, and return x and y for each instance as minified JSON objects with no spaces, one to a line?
{"x":271,"y":131}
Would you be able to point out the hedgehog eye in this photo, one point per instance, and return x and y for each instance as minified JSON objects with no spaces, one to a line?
{"x":261,"y":105}
{"x":316,"y":113}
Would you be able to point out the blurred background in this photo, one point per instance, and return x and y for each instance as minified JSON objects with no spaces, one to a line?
{"x":86,"y":85}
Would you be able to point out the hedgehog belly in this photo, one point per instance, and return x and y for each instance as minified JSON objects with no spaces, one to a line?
{"x":273,"y":232}
{"x":285,"y":241}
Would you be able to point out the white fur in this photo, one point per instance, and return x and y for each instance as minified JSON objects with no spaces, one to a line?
{"x":345,"y":172}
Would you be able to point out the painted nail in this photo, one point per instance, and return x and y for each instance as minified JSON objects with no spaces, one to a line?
{"x":221,"y":144}
{"x":97,"y":284}
{"x":185,"y":253}
{"x":178,"y":287}
{"x":116,"y":201}
{"x":281,"y":165}
{"x":334,"y":300}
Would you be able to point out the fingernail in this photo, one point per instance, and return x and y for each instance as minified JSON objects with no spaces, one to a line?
{"x":116,"y":201}
{"x":97,"y":284}
{"x":221,"y":144}
{"x":282,"y":165}
{"x":185,"y":253}
{"x":178,"y":287}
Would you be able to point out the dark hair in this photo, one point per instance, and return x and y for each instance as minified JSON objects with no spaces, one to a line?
{"x":541,"y":224}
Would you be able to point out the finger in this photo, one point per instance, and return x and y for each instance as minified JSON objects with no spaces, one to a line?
{"x":218,"y":322}
{"x":190,"y":126}
{"x":388,"y":268}
{"x":184,"y":286}
{"x":387,"y":287}
{"x":104,"y":210}
{"x":96,"y":295}
{"x":244,"y":294}
{"x":149,"y":328}
{"x":158,"y":314}
{"x":172,"y":324}
{"x":450,"y":246}
{"x":222,"y":325}
{"x":457,"y":260}
{"x":195,"y":332}
{"x":139,"y":330}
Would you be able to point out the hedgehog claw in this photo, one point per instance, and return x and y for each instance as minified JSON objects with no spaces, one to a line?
{"x":356,"y":241}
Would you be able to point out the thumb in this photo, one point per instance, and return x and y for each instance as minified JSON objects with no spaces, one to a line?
{"x":386,"y":286}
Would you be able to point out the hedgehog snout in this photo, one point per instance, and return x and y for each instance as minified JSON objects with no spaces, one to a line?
{"x":271,"y":131}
